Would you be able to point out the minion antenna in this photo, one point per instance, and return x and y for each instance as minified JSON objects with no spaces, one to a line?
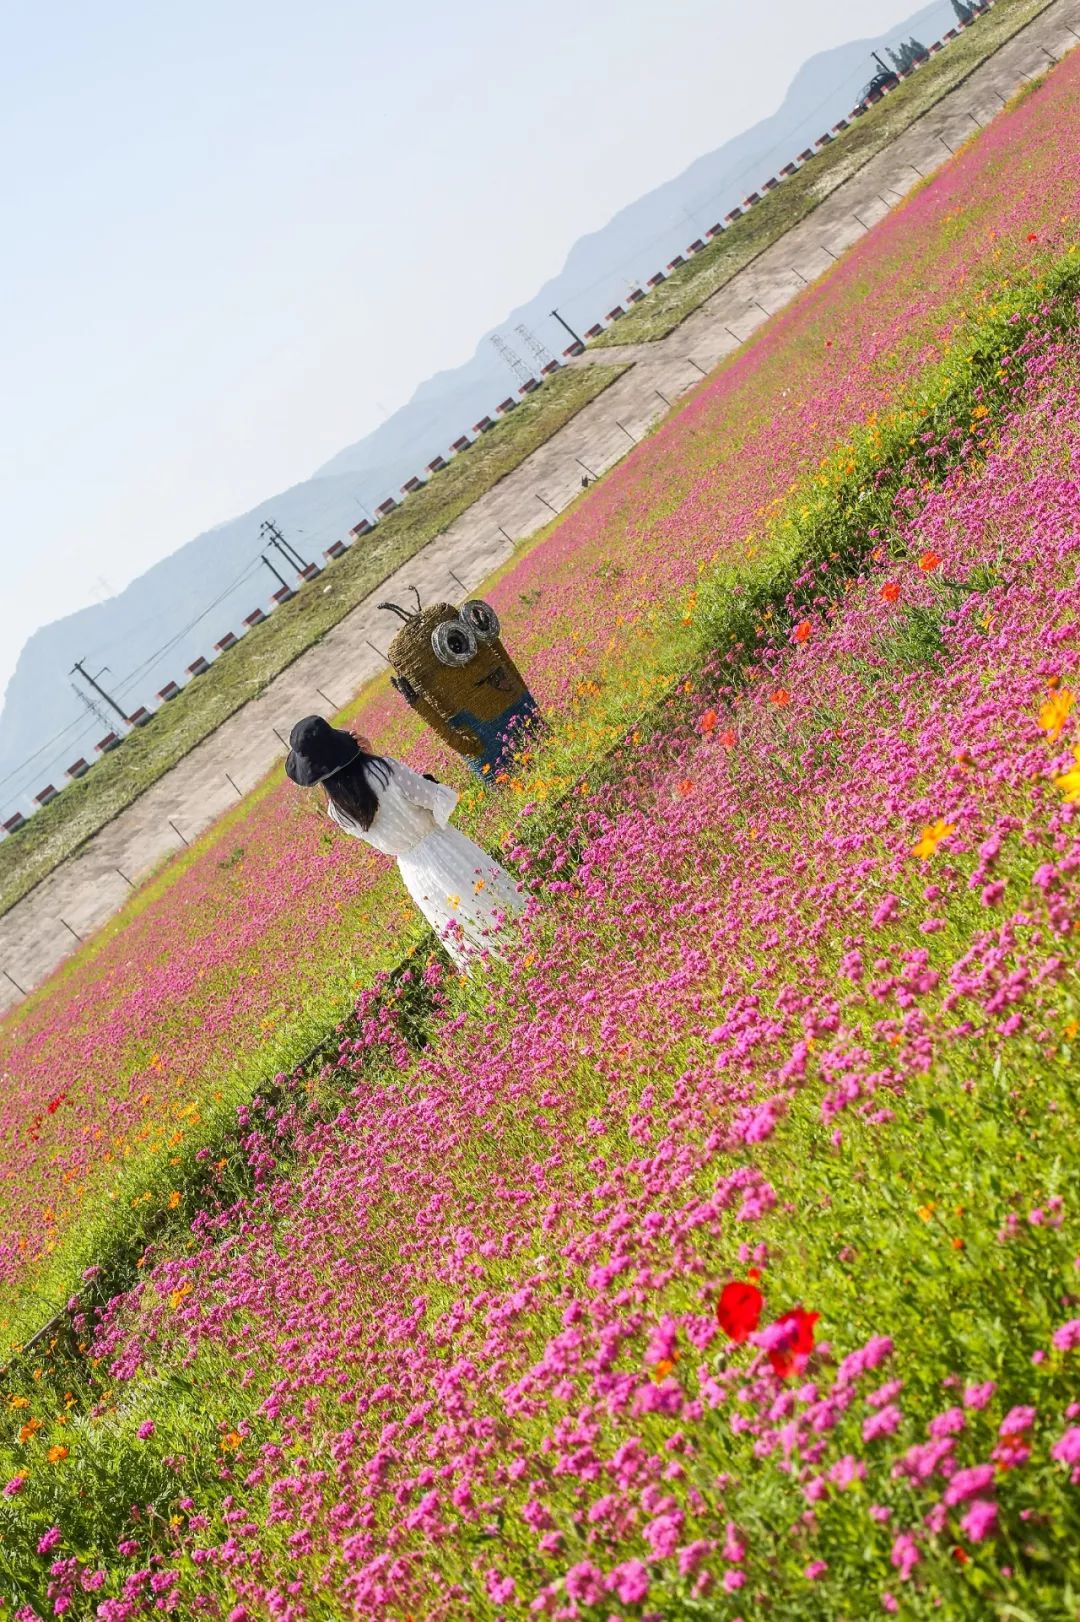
{"x":400,"y":612}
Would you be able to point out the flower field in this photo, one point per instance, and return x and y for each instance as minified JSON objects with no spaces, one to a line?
{"x":722,"y":1260}
{"x":249,"y":948}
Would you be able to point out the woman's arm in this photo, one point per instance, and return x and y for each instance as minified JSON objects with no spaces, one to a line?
{"x":434,"y":797}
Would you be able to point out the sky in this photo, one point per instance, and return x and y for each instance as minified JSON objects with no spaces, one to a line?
{"x":238,"y":234}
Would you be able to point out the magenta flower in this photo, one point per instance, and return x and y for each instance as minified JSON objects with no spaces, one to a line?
{"x":629,"y":1582}
{"x":980,"y":1519}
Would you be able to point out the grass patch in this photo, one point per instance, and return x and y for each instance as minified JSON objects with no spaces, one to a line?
{"x":59,"y":829}
{"x":687,"y":288}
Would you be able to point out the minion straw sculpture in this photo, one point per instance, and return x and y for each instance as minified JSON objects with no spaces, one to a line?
{"x":453,"y":670}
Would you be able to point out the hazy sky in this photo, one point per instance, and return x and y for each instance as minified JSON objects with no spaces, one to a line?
{"x":236,"y":233}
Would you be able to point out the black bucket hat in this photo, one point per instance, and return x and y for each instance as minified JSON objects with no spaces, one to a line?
{"x":318,"y":751}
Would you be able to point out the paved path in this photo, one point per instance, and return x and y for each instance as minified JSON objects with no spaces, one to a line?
{"x":85,"y":891}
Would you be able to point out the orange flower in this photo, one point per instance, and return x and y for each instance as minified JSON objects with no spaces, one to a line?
{"x":56,"y":1455}
{"x":708,"y":722}
{"x":801,"y":633}
{"x":890,"y":591}
{"x":29,"y":1429}
{"x":728,"y":738}
{"x":931,"y":838}
{"x":685,"y":787}
{"x":231,"y":1440}
{"x":173,"y":1200}
{"x":929,"y":562}
{"x":1055,"y":712}
{"x":780,"y":697}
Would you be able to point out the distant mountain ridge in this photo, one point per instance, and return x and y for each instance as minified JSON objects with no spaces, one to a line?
{"x":127,"y":632}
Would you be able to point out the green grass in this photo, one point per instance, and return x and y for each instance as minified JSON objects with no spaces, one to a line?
{"x":59,"y":829}
{"x":687,"y":288}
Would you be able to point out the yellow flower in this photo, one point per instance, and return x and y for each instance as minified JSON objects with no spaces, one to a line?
{"x":932,"y":835}
{"x":454,"y":900}
{"x":1070,"y":1029}
{"x":926,"y":1211}
{"x":173,"y":1200}
{"x":1069,"y":782}
{"x":1054,"y":713}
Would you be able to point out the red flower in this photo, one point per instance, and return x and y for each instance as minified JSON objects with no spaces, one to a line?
{"x":800,"y":1342}
{"x":1033,"y":236}
{"x":708,"y":721}
{"x":728,"y":738}
{"x":801,"y":633}
{"x":738,"y":1311}
{"x":780,"y":697}
{"x":890,"y":591}
{"x":929,"y":561}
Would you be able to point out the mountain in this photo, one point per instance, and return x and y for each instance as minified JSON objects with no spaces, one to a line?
{"x":178,"y":609}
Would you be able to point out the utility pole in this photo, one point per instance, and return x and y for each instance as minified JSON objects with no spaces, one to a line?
{"x":880,"y":63}
{"x":282,"y":582}
{"x":569,"y":328}
{"x":98,"y":689}
{"x":287,"y":550}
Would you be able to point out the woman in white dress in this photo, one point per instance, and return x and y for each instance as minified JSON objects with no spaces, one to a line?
{"x":463,"y":893}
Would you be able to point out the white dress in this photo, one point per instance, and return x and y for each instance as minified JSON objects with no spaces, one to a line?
{"x":462,"y":891}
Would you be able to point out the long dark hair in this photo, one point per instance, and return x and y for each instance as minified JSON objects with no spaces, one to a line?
{"x":353,"y":789}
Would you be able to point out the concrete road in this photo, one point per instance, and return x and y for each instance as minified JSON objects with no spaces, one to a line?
{"x":38,"y":933}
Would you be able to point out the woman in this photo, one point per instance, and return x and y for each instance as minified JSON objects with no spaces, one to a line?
{"x":462,"y":892}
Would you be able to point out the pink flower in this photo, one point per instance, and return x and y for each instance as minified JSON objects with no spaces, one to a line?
{"x":1016,"y":1421}
{"x":48,"y":1540}
{"x":734,"y":1544}
{"x":950,"y":1423}
{"x":14,"y":1486}
{"x":977,"y":1396}
{"x":585,"y":1582}
{"x":691,"y":1557}
{"x":629,"y":1582}
{"x":145,"y":1430}
{"x":1066,"y":1450}
{"x":980,"y":1519}
{"x":905,"y":1555}
{"x":662,"y":1535}
{"x":816,"y":1569}
{"x":1067,"y":1338}
{"x":734,"y":1580}
{"x":883,"y":1423}
{"x":968,"y":1483}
